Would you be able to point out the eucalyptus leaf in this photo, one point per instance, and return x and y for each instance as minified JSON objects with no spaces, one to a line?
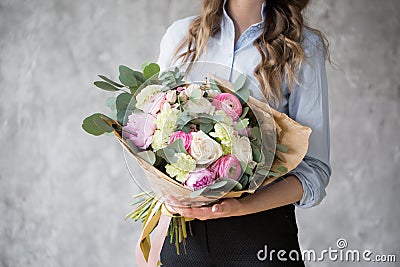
{"x":239,"y":82}
{"x":281,"y":148}
{"x":127,"y":76}
{"x":243,"y":95}
{"x":244,"y":112}
{"x":206,"y":127}
{"x":195,"y":94}
{"x":123,"y":101}
{"x":150,"y":70}
{"x":102,"y":124}
{"x":214,"y":86}
{"x":197,"y":193}
{"x":110,"y":102}
{"x":282,"y":169}
{"x":106,"y":86}
{"x":110,"y":81}
{"x":240,"y":125}
{"x":177,"y":146}
{"x":217,"y":184}
{"x":148,"y":156}
{"x":91,"y":127}
{"x":139,"y":76}
{"x":274,"y":174}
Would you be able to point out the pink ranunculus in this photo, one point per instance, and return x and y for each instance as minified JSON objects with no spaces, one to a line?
{"x":185,"y":137}
{"x":199,"y":179}
{"x":228,"y":103}
{"x":140,"y":129}
{"x":154,"y":104}
{"x":227,"y":167}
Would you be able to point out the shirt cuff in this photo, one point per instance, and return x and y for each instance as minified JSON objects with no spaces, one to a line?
{"x":314,"y":177}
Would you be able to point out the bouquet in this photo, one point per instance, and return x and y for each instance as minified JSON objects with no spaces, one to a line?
{"x":197,"y":142}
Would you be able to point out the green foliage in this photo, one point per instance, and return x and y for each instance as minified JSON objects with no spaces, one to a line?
{"x":150,"y":70}
{"x":110,"y":81}
{"x":171,"y":79}
{"x":281,"y":148}
{"x":148,"y":156}
{"x":106,"y":86}
{"x":127,"y":76}
{"x":96,"y":124}
{"x":239,"y":82}
{"x":240,"y":125}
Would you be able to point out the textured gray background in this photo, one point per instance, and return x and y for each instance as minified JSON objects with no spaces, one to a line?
{"x":63,"y":193}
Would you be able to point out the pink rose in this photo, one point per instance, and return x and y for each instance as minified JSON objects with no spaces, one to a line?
{"x":199,"y":179}
{"x":228,"y":103}
{"x":227,"y":167}
{"x":140,"y":129}
{"x":185,"y":137}
{"x":154,"y":104}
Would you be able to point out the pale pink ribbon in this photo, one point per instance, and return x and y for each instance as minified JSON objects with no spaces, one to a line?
{"x":160,"y":232}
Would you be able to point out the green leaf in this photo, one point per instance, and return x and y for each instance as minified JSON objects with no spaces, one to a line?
{"x":240,"y":125}
{"x":123,"y":101}
{"x":177,"y":146}
{"x":95,"y":124}
{"x":103,"y":125}
{"x":217,"y":184}
{"x":197,"y":193}
{"x":214,"y":86}
{"x":150,"y":70}
{"x":144,"y":64}
{"x":240,"y":81}
{"x":195,"y":94}
{"x":106,"y":86}
{"x":244,"y":112}
{"x":281,"y":148}
{"x":274,"y":174}
{"x":243,"y":95}
{"x":127,"y":76}
{"x":110,"y":102}
{"x":167,"y":154}
{"x":282,"y":169}
{"x":206,"y":127}
{"x":148,"y":156}
{"x":229,"y":184}
{"x":139,"y":76}
{"x":110,"y":81}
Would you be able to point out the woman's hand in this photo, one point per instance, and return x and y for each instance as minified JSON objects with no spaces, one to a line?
{"x":225,"y":208}
{"x":286,"y":191}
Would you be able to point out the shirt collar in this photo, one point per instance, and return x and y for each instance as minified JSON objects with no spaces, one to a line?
{"x":227,"y":19}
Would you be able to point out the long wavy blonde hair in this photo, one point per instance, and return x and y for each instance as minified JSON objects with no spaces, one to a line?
{"x":279,"y":45}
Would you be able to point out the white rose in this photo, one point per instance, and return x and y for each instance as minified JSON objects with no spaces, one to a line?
{"x":242,"y":149}
{"x":201,"y":105}
{"x":204,"y":149}
{"x":146,"y":93}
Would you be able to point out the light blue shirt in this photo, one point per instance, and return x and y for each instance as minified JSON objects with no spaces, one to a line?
{"x":307,"y":103}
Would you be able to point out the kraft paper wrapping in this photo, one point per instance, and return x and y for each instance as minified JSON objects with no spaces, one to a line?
{"x":289,"y":133}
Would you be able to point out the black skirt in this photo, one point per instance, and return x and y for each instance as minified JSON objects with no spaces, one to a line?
{"x":267,"y":238}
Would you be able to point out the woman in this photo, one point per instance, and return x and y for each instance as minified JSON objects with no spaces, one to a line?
{"x":269,"y":41}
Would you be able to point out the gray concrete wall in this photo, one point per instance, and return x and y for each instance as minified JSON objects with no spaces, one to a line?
{"x":64,"y":194}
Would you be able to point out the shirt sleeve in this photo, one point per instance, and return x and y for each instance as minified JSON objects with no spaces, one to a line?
{"x":308,"y":105}
{"x":170,"y":41}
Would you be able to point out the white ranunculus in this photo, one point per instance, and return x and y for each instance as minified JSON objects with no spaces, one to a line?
{"x":242,"y":149}
{"x":146,"y":93}
{"x":204,"y":149}
{"x":201,"y":105}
